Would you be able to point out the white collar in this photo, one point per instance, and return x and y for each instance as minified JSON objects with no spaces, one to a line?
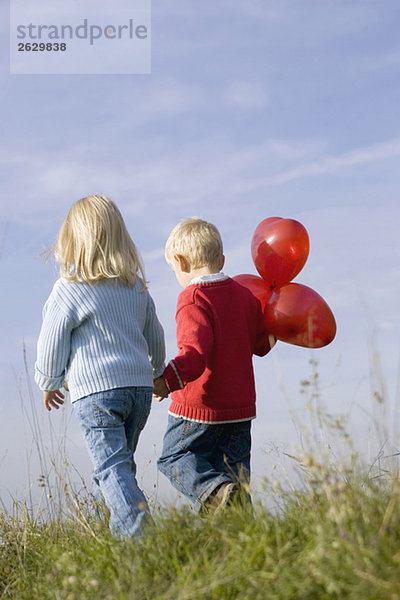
{"x":211,"y":278}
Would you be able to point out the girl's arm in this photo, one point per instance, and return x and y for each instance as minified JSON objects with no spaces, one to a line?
{"x":154,"y":336}
{"x":53,"y":349}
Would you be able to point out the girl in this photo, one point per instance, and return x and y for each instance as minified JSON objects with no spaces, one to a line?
{"x":100,"y":330}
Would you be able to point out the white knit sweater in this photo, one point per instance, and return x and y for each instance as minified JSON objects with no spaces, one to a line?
{"x":99,"y":337}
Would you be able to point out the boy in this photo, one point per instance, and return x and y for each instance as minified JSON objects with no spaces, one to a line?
{"x":206,"y":452}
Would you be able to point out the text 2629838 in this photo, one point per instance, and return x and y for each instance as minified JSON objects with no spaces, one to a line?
{"x":42,"y":47}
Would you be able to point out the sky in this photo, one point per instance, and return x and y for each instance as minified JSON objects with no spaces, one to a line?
{"x":252,"y":109}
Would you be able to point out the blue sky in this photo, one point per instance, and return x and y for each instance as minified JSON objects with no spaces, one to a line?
{"x":253,"y":109}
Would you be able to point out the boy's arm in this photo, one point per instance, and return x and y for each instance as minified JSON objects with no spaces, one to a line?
{"x":264,"y":340}
{"x":194,"y":335}
{"x":264,"y":344}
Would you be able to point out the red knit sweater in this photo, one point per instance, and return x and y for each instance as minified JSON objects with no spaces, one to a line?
{"x":219,"y":328}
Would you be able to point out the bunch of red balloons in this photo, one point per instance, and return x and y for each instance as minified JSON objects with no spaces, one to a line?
{"x":294,"y":313}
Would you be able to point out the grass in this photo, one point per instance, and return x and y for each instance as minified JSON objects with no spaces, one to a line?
{"x":334,"y":536}
{"x":337,"y":538}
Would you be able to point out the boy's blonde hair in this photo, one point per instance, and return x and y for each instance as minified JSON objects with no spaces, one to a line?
{"x":93,"y":244}
{"x":196,"y":240}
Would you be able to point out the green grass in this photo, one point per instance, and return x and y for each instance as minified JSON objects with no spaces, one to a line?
{"x":334,"y":536}
{"x":337,"y":538}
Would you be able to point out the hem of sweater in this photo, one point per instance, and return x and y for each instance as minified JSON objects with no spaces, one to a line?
{"x":209,"y":415}
{"x":211,"y":422}
{"x":78,"y":392}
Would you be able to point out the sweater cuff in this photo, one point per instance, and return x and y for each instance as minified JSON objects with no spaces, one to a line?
{"x":46,"y":383}
{"x":172,"y":377}
{"x":158,"y":372}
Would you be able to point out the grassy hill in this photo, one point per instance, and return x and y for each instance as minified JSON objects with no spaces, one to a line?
{"x":336,"y":538}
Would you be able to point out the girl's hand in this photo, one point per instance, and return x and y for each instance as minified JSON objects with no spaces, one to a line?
{"x":53,"y":399}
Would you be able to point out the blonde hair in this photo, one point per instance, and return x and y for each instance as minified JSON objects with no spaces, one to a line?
{"x":93,"y":244}
{"x":196,"y":240}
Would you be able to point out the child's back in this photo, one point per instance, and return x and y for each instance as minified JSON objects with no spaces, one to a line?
{"x":100,"y":331}
{"x":104,"y":332}
{"x":219,"y":328}
{"x":206,"y":451}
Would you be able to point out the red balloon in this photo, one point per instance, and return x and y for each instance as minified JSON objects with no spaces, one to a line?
{"x":296,"y":314}
{"x":280,"y":249}
{"x":257,"y":286}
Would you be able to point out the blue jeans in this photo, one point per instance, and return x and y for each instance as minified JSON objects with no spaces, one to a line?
{"x":111,"y":422}
{"x":198,"y":457}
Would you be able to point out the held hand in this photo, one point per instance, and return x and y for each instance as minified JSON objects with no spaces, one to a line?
{"x":53,"y":399}
{"x":160,"y":389}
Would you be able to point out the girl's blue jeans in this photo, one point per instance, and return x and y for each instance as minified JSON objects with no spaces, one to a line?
{"x":199,"y":457}
{"x":111,"y":422}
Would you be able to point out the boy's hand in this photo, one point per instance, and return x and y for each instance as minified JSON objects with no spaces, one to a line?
{"x":160,"y":389}
{"x":53,"y":399}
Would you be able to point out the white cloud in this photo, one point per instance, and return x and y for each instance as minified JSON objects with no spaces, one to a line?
{"x":245,"y":95}
{"x":252,"y":9}
{"x":186,"y":176}
{"x":330,"y":164}
{"x":170,"y":96}
{"x":379,"y":61}
{"x":178,"y":175}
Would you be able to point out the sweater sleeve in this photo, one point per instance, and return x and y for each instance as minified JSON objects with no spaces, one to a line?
{"x":264,"y":339}
{"x":154,"y":336}
{"x":53,"y":349}
{"x":194,"y":335}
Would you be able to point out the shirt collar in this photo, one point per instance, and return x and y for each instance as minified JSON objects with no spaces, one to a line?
{"x":211,"y":278}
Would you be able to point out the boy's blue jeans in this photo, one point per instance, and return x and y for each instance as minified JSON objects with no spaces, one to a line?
{"x":198,"y":457}
{"x":111,"y":422}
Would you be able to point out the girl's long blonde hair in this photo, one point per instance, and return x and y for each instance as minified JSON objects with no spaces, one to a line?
{"x":93,"y":244}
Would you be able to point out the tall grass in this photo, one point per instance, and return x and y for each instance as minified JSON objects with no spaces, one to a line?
{"x":336,"y":539}
{"x":333,"y":535}
{"x":58,"y":489}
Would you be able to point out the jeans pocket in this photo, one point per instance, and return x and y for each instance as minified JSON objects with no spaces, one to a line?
{"x":104,"y":409}
{"x":194,"y":435}
{"x":144,"y":402}
{"x":239,"y":444}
